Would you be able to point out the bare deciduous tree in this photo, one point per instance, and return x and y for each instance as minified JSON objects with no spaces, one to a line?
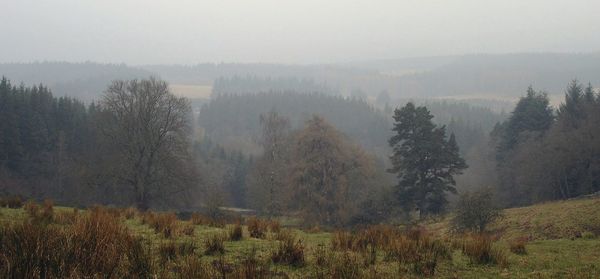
{"x":149,"y":129}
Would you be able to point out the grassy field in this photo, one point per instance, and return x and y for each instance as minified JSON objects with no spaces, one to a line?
{"x":559,"y":238}
{"x":191,"y":91}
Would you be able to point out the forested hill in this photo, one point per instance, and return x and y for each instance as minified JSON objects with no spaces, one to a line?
{"x":470,"y":76}
{"x":503,"y":75}
{"x":233,"y":120}
{"x":84,"y":81}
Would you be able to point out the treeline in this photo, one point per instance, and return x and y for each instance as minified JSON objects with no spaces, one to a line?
{"x":85,"y":81}
{"x":233,"y":120}
{"x":546,"y":154}
{"x":45,"y":142}
{"x":58,"y":148}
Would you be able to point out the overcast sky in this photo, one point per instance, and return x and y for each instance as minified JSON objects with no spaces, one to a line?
{"x":304,"y":31}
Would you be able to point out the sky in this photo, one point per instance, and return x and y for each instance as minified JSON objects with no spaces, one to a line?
{"x":285,"y":31}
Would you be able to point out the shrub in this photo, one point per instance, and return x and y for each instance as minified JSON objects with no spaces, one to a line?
{"x":251,"y":267}
{"x":47,"y":210}
{"x":188,"y":229}
{"x":11,"y":202}
{"x":517,"y":246}
{"x":342,"y":240}
{"x":162,"y":223}
{"x":32,"y":209}
{"x":235,"y":232}
{"x":474,"y":211}
{"x":193,"y":267}
{"x":200,"y":219}
{"x":130,"y":213}
{"x":66,"y":217}
{"x":480,"y":250}
{"x":588,"y":235}
{"x":256,"y":227}
{"x":419,"y":251}
{"x":213,"y":244}
{"x":171,"y":250}
{"x":274,"y":226}
{"x":96,"y":245}
{"x":344,"y":265}
{"x":289,"y":251}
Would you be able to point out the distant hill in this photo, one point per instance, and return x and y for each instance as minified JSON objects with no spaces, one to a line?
{"x":481,"y":76}
{"x":85,"y":81}
{"x":503,"y":75}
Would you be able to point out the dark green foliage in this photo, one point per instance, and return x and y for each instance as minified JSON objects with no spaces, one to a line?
{"x":424,"y":161}
{"x":541,"y":158}
{"x":474,"y":211}
{"x":355,"y":118}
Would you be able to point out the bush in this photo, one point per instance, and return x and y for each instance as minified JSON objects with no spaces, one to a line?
{"x":517,"y":246}
{"x":188,"y":229}
{"x":96,"y":245}
{"x":256,"y":227}
{"x":199,"y":219}
{"x":169,"y":251}
{"x":66,"y":217}
{"x":251,"y":267}
{"x":193,"y":267}
{"x":474,"y":211}
{"x":289,"y":251}
{"x":130,"y":213}
{"x":588,"y":235}
{"x":480,"y":250}
{"x":11,"y":202}
{"x":213,"y":244}
{"x":344,"y":265}
{"x":162,"y":223}
{"x":274,"y":226}
{"x":342,"y":240}
{"x":235,"y":232}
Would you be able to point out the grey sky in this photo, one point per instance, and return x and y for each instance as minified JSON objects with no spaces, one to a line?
{"x":305,"y":31}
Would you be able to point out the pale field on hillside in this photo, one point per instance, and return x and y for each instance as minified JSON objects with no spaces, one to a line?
{"x":192,"y":91}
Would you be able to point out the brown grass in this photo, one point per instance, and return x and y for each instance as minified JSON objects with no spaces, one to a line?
{"x":517,"y":245}
{"x":11,"y":202}
{"x":289,"y":251}
{"x":479,"y":248}
{"x":203,"y":220}
{"x":95,"y":245}
{"x":235,"y":232}
{"x":162,"y":223}
{"x":257,"y":227}
{"x":188,"y":229}
{"x":213,"y":244}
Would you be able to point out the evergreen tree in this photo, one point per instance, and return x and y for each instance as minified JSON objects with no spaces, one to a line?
{"x":423,"y":159}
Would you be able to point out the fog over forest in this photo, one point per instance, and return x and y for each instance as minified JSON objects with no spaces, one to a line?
{"x":299,"y":139}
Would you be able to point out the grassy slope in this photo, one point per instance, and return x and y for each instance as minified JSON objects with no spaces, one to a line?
{"x":552,"y":220}
{"x":551,"y":253}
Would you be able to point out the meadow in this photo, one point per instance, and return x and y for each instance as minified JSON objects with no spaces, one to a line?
{"x":41,"y":240}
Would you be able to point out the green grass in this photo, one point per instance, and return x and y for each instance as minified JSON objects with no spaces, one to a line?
{"x":553,"y":252}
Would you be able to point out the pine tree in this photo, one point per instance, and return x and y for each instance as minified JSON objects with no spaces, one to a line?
{"x":423,"y":159}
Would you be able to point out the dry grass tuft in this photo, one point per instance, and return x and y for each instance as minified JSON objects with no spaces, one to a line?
{"x":236,"y":232}
{"x":162,"y":223}
{"x":517,"y":245}
{"x":11,"y":202}
{"x":213,"y":244}
{"x":479,"y":248}
{"x":257,"y":227}
{"x":289,"y":251}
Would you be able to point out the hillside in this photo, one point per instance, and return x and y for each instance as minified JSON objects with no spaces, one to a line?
{"x":552,"y":220}
{"x":204,"y":247}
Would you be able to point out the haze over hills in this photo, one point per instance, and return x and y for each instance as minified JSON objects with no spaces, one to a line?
{"x":480,"y":76}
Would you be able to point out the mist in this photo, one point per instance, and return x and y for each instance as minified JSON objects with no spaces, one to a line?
{"x":189,"y":32}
